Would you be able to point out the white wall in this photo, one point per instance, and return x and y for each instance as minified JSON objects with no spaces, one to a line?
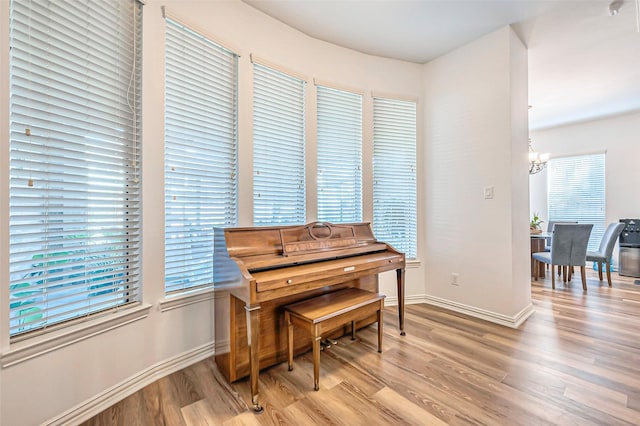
{"x":618,"y":136}
{"x":53,"y":383}
{"x":476,"y":137}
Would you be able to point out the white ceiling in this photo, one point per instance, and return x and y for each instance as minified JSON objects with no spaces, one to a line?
{"x":583,"y":63}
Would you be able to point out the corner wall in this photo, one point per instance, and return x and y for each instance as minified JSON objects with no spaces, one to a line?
{"x":475,"y":119}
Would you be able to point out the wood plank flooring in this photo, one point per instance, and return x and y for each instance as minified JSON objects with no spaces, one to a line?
{"x":576,"y":361}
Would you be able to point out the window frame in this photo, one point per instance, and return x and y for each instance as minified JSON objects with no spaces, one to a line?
{"x":201,"y":130}
{"x":395,"y":170}
{"x":339,"y":155}
{"x":81,"y":255}
{"x":591,"y":192}
{"x":279,"y":127}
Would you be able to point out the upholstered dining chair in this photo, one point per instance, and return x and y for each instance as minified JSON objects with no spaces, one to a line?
{"x":550,"y":225}
{"x":568,"y":248}
{"x":547,"y":241}
{"x":603,"y":255}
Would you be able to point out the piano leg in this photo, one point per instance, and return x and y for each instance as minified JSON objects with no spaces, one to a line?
{"x":400,"y":277}
{"x":287,"y":320}
{"x":380,"y":321}
{"x":253,"y":337}
{"x":316,"y":359}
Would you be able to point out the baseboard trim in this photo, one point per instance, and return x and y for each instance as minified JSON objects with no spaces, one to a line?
{"x":494,"y":317}
{"x":408,"y":300}
{"x":223,"y":347}
{"x":93,"y":406}
{"x":512,"y":322}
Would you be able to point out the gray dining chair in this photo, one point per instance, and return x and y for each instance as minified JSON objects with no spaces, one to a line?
{"x":568,"y":248}
{"x":603,"y":255}
{"x":550,"y":225}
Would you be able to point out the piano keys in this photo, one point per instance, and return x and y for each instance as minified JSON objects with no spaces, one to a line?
{"x":258,"y":270}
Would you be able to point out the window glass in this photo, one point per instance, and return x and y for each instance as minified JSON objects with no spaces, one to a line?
{"x":74,"y":159}
{"x":576,"y":192}
{"x":200,"y":153}
{"x":394,"y":174}
{"x":278,"y":148}
{"x":339,"y":155}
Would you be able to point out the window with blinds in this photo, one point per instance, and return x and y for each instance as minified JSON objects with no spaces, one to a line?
{"x":278,"y":148}
{"x":576,"y":192}
{"x":394,"y":174}
{"x":339,"y":155}
{"x":74,"y":159}
{"x":200,"y":153}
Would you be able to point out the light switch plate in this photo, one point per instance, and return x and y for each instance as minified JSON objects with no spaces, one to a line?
{"x":488,"y":192}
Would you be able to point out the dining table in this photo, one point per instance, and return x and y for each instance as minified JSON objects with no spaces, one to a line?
{"x":538,"y":241}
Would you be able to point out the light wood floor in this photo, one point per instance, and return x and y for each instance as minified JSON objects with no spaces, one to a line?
{"x":576,"y":361}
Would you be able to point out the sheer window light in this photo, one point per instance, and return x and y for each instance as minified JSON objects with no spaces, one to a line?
{"x":394,"y":174}
{"x":278,"y":148}
{"x":200,"y":153}
{"x":339,"y":155}
{"x":74,"y":159}
{"x":576,"y":192}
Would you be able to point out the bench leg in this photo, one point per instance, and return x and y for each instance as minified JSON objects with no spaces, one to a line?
{"x":287,"y":318}
{"x":353,"y":330}
{"x":380,"y":327}
{"x":316,"y":359}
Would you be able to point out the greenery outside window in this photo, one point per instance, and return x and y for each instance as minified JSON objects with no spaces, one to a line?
{"x":74,"y":160}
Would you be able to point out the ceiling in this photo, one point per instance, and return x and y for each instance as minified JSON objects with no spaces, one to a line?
{"x":583,"y":63}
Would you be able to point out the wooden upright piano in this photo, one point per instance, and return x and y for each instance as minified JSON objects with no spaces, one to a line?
{"x":259,"y":270}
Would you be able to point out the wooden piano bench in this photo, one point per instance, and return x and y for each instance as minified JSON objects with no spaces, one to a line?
{"x":325,"y":313}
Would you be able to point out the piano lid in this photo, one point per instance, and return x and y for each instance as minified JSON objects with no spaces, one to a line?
{"x":272,"y":247}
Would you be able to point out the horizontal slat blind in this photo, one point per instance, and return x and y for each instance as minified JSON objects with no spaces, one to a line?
{"x":394,"y":174}
{"x":339,"y":155}
{"x":200,"y":153}
{"x":74,"y":172}
{"x":278,"y":148}
{"x":576,"y":192}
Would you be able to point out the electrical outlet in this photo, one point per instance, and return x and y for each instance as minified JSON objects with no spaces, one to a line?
{"x":454,"y":278}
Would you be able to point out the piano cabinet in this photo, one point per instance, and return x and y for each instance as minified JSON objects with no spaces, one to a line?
{"x":255,"y":279}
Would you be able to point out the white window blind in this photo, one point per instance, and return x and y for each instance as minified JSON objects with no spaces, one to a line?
{"x":74,"y":171}
{"x":200,"y":153}
{"x":576,"y":192}
{"x":278,"y":148}
{"x":394,"y":174}
{"x":339,"y":155}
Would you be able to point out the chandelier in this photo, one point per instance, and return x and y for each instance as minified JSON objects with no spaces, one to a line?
{"x":537,"y":161}
{"x":614,"y":9}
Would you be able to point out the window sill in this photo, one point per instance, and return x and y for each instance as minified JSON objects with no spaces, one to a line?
{"x":413,"y":263}
{"x":33,"y":347}
{"x":185,"y":299}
